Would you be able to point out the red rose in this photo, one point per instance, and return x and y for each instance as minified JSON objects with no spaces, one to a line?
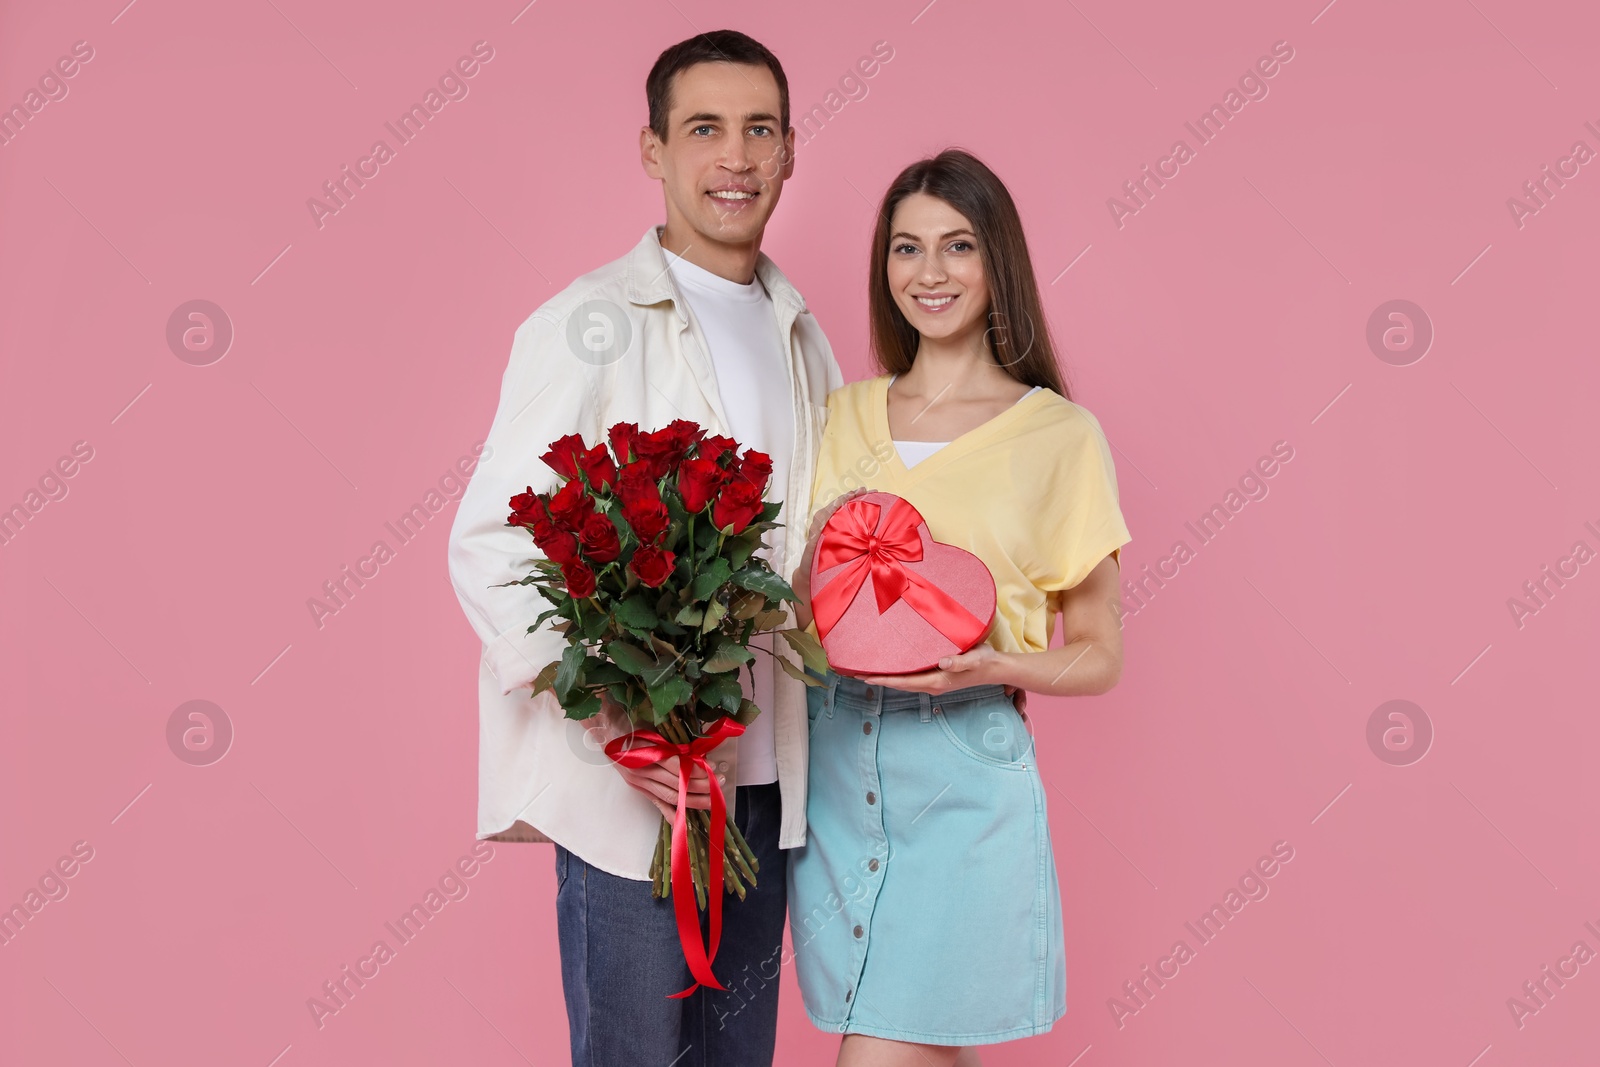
{"x":713,"y":447}
{"x":658,"y":450}
{"x":737,"y":507}
{"x":652,"y":565}
{"x":685,"y":433}
{"x":579,"y":578}
{"x":526,"y":508}
{"x":648,"y":518}
{"x":621,"y":437}
{"x":571,"y":505}
{"x":563,"y":456}
{"x":636,"y":479}
{"x":598,"y":467}
{"x":699,"y":480}
{"x":558,"y":545}
{"x":599,"y":539}
{"x":756,"y":467}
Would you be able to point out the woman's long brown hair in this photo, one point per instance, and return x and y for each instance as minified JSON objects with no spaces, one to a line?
{"x":1018,"y":334}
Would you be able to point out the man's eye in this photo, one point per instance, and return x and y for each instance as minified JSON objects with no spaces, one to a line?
{"x":697,"y":129}
{"x":764,"y":129}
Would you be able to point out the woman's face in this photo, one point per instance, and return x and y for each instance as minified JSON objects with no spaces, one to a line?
{"x":935,"y":269}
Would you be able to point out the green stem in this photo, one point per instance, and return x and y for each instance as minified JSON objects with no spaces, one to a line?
{"x":664,"y":853}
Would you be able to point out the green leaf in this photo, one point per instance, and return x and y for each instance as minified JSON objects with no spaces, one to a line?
{"x":723,"y":691}
{"x":570,"y":672}
{"x":629,"y":658}
{"x":764,"y":581}
{"x":708,"y":581}
{"x":584,"y":707}
{"x":546,"y":677}
{"x":747,"y":605}
{"x":748,"y":710}
{"x":740,"y":548}
{"x":600,"y":672}
{"x":690,"y":615}
{"x":595,"y":623}
{"x":731,"y":656}
{"x":636,"y":613}
{"x":810,"y":649}
{"x":668,"y":695}
{"x":796,"y":672}
{"x":771,"y":620}
{"x":713,"y":615}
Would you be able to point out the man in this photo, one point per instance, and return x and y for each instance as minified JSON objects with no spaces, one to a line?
{"x":695,"y":323}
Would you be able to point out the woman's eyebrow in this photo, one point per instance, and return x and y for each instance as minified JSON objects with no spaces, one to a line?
{"x":914,"y":237}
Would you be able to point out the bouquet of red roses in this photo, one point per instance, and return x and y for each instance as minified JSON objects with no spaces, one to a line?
{"x":650,"y":564}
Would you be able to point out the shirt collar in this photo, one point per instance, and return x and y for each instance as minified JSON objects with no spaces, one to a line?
{"x":650,"y":282}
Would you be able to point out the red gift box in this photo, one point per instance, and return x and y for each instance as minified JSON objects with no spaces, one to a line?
{"x":887,"y":597}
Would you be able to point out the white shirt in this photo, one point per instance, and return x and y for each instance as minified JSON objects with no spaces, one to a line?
{"x":613,"y":346}
{"x":741,"y":332}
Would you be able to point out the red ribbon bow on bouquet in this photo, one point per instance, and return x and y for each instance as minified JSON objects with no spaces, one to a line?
{"x":850,"y":539}
{"x":640,"y":749}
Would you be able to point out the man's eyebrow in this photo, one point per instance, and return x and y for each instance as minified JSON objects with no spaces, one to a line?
{"x":706,"y":116}
{"x":914,"y":237}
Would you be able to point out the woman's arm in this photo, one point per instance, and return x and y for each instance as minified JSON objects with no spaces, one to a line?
{"x":1088,"y":663}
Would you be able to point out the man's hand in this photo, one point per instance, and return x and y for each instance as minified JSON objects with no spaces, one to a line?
{"x":658,"y":781}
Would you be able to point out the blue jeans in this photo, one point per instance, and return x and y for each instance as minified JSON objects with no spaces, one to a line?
{"x":621,"y":958}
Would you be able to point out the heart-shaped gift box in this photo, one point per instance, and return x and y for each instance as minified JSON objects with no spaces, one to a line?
{"x":887,"y":597}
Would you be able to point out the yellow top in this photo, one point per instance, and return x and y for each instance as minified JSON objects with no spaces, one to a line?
{"x":1032,"y":493}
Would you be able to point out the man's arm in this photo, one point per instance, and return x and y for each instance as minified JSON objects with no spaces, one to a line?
{"x":545,"y":393}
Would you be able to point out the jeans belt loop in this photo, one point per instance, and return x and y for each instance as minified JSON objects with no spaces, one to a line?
{"x":924,"y":703}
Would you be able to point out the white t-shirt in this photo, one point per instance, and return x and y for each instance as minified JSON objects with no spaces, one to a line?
{"x":740,"y":326}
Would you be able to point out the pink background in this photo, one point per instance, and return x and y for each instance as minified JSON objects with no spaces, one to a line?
{"x":1228,"y":314}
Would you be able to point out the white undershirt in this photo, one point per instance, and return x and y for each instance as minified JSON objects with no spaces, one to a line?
{"x":740,"y":326}
{"x":913,"y":452}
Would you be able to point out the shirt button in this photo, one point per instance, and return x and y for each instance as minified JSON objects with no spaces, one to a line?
{"x":722,"y":765}
{"x":866,"y":727}
{"x":873,"y":865}
{"x":872,"y":798}
{"x":847,"y":994}
{"x":857,"y":931}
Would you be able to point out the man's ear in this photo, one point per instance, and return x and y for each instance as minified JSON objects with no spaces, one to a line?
{"x":788,"y":153}
{"x":649,"y":152}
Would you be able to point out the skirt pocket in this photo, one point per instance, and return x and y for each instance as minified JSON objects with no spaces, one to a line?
{"x":988,"y":731}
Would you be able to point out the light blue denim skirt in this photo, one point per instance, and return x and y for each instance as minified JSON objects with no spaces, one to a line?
{"x":924,"y":905}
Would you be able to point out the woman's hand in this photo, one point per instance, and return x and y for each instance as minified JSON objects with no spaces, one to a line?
{"x":981,"y":664}
{"x":658,"y":781}
{"x":802,"y":574}
{"x":976,"y":666}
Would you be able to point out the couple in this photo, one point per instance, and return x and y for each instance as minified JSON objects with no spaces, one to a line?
{"x":901,"y":822}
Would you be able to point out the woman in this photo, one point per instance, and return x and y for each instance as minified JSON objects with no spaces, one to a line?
{"x":924,"y":907}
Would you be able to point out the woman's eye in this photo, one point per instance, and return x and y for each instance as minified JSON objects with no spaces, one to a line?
{"x":961,"y":244}
{"x":905,"y":248}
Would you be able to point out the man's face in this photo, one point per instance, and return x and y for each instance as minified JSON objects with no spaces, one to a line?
{"x":725,"y":160}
